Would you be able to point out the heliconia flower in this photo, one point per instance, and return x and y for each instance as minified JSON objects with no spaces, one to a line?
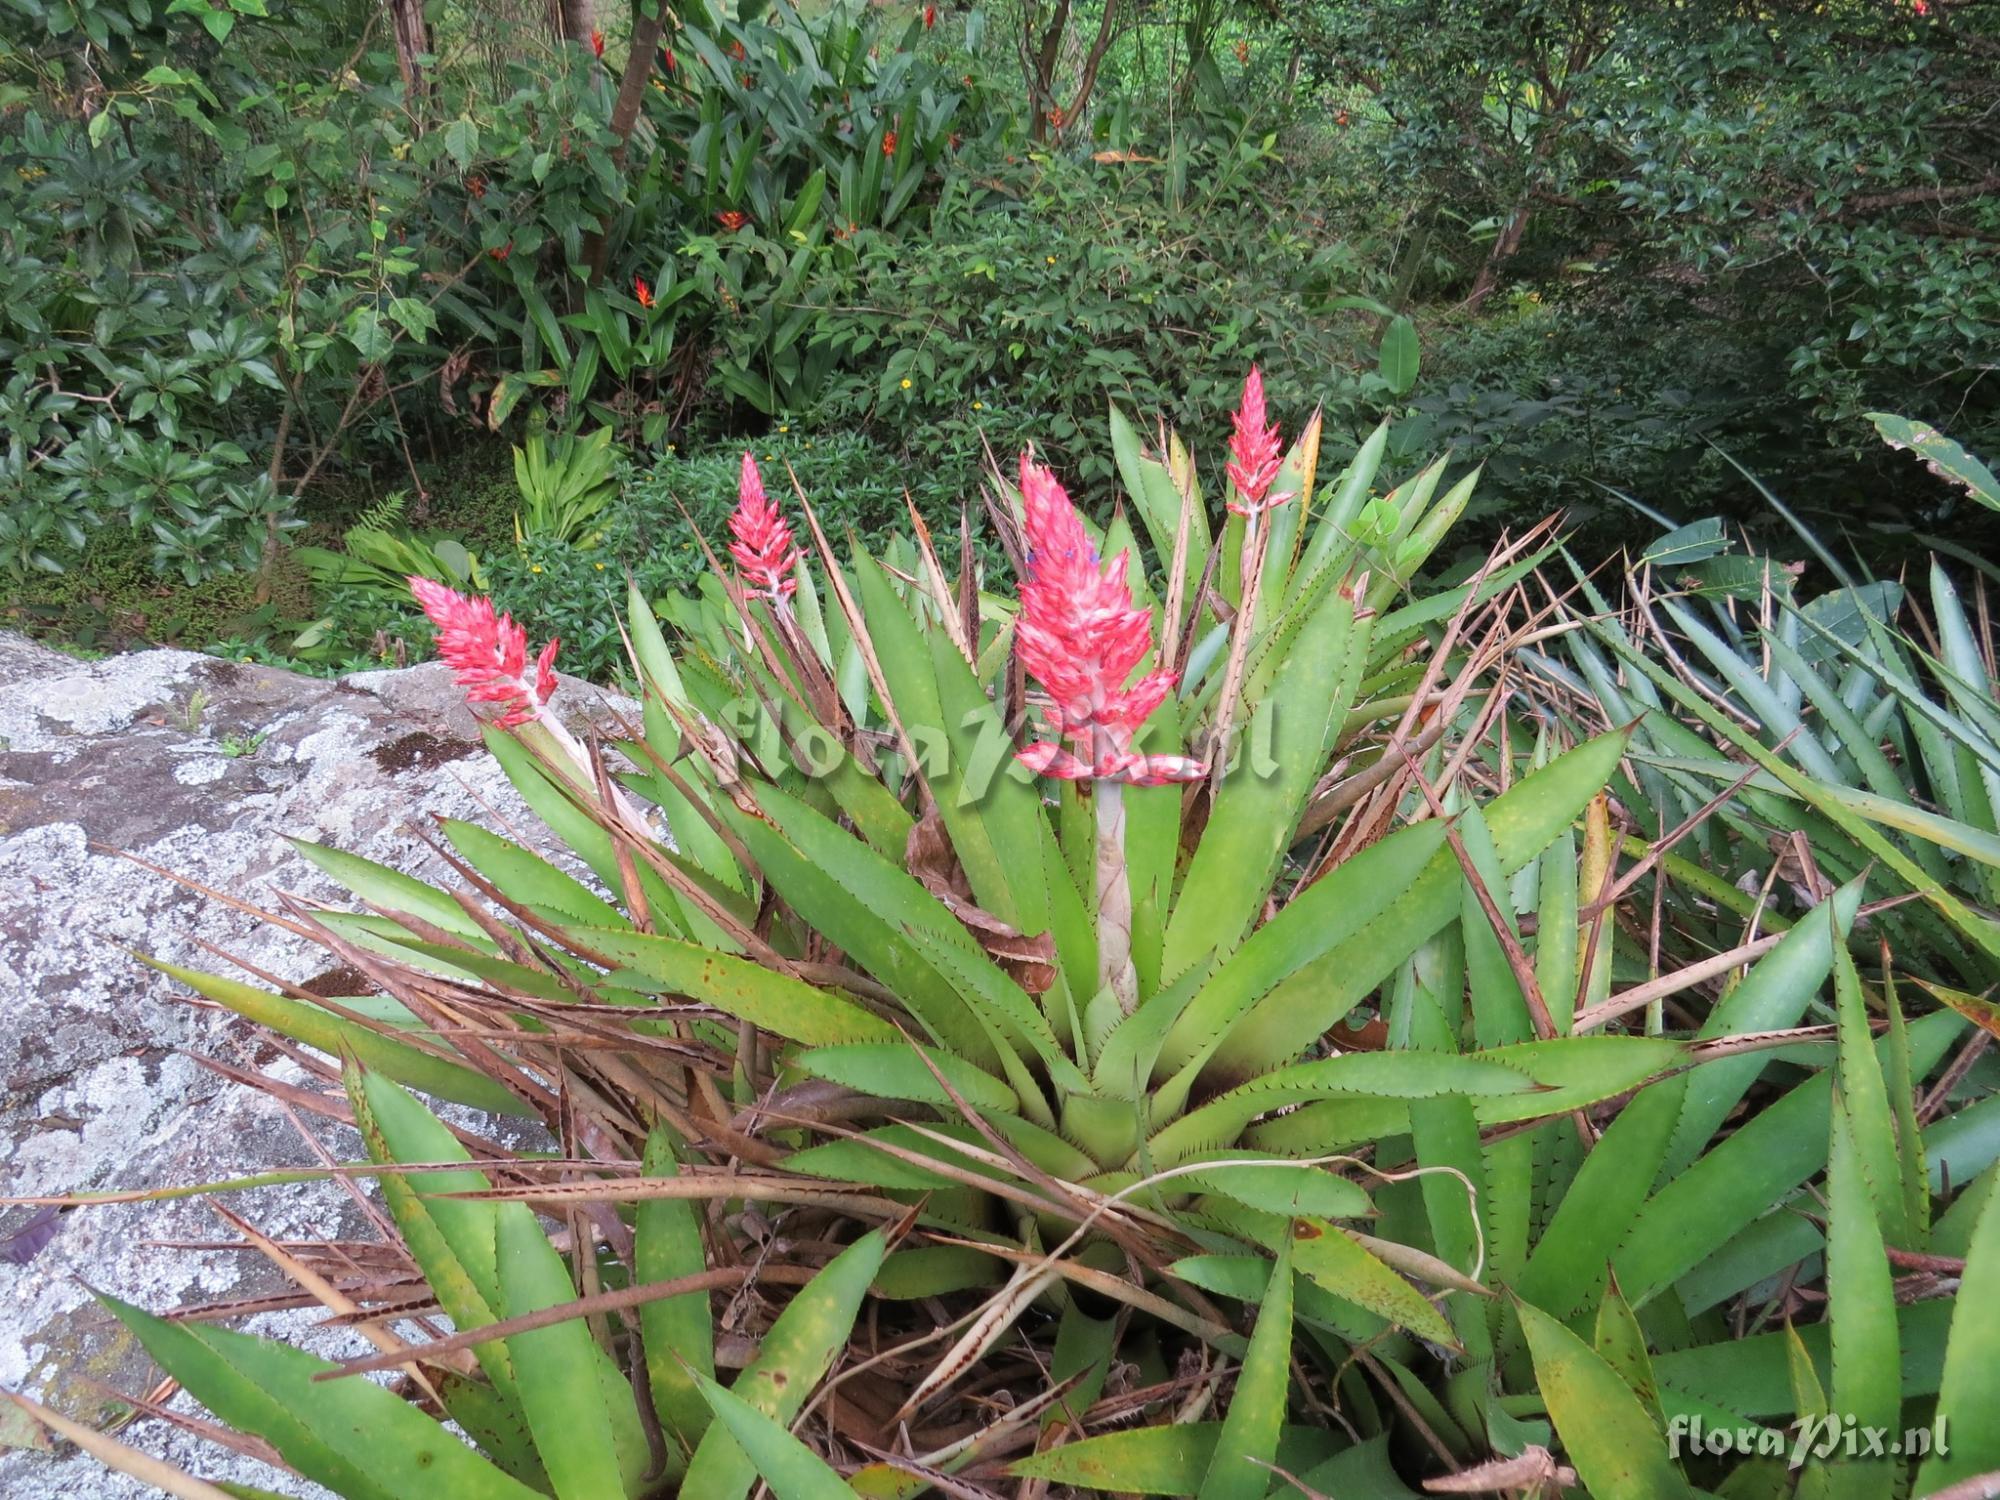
{"x":1080,"y":637}
{"x":732,"y":220}
{"x":762,"y":542}
{"x":487,"y":653}
{"x":597,"y":43}
{"x":888,"y":143}
{"x":1254,"y":449}
{"x":641,"y":291}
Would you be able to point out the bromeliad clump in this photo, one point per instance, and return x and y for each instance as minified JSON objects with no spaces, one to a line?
{"x":1062,"y":1015}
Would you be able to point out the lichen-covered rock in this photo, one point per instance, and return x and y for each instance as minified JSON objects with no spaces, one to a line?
{"x":115,"y":775}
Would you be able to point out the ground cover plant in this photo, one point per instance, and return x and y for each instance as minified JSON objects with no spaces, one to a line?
{"x":1211,"y":1029}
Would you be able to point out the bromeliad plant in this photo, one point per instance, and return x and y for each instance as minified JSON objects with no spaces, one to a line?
{"x":1071,"y":1027}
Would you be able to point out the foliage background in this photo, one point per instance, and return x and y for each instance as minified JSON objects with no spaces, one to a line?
{"x":262,"y":274}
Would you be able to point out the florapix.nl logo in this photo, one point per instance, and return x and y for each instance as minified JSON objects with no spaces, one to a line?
{"x":1829,"y":1438}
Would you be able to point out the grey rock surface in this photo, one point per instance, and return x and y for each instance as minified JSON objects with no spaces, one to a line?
{"x":202,"y":769}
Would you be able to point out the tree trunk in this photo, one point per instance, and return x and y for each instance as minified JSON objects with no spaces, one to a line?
{"x":573,"y":20}
{"x":413,"y":40}
{"x":646,"y":33}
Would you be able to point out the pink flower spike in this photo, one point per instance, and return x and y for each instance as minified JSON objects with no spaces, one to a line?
{"x":762,"y":544}
{"x":1080,"y":637}
{"x":487,"y":653}
{"x":545,"y":670}
{"x":1255,"y":451}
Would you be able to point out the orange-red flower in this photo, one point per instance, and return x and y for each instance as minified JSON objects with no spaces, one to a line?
{"x":597,"y":43}
{"x":643,"y":292}
{"x":476,"y":185}
{"x":487,"y":653}
{"x":930,"y":17}
{"x":503,"y":252}
{"x":732,"y":220}
{"x":1080,"y":637}
{"x":1255,"y":452}
{"x":736,"y":50}
{"x":667,"y":57}
{"x":888,"y":143}
{"x":761,"y":542}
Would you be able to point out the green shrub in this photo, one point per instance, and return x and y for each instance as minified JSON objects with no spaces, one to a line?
{"x":219,"y":289}
{"x":1050,"y":285}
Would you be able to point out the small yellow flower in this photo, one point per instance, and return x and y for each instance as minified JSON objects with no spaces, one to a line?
{"x":1049,"y":259}
{"x":670,"y":447}
{"x":600,"y":567}
{"x":782,"y":427}
{"x":768,"y":458}
{"x":906,"y":382}
{"x":979,"y":406}
{"x":535,"y":568}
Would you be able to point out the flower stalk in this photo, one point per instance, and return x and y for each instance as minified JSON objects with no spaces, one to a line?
{"x":1255,"y":455}
{"x":1080,"y":637}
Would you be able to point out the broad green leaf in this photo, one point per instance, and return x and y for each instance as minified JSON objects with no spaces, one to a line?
{"x":678,"y":1332}
{"x":451,"y":1239}
{"x":555,"y":1371}
{"x":461,"y":141}
{"x":391,"y":890}
{"x":1752,"y":1377}
{"x":1940,"y":455}
{"x":1762,"y":1161}
{"x":353,"y":1436}
{"x":788,"y":1466}
{"x":1330,"y":1256}
{"x":1282,"y":1188}
{"x":1258,"y":809}
{"x":1523,"y":821}
{"x":792,"y":1359}
{"x":1861,"y":1311}
{"x":1257,"y":1407}
{"x":741,"y":987}
{"x":337,"y":1036}
{"x":898,"y":1070}
{"x":1969,"y":1392}
{"x":1169,"y":1460}
{"x":1399,"y":356}
{"x":936,"y":1271}
{"x":1865,"y":1094}
{"x":1621,"y":1344}
{"x":1336,"y":908}
{"x":530,"y":880}
{"x":1398,"y":1075}
{"x":1567,"y":1269}
{"x":1692,"y":543}
{"x":1772,"y":996}
{"x":1606,"y":1432}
